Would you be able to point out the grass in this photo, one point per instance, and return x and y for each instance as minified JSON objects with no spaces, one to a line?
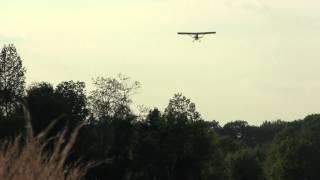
{"x":25,"y":158}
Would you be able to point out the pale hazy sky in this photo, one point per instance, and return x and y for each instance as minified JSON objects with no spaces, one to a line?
{"x":263,"y":63}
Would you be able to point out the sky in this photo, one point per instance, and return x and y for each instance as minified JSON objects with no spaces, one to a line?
{"x":263,"y":63}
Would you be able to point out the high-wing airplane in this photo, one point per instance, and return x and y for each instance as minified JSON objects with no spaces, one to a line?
{"x":196,"y":35}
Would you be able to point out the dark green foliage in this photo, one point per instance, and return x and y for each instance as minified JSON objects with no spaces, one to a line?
{"x":236,"y":130}
{"x":74,"y":99}
{"x":11,"y":126}
{"x":43,"y":105}
{"x":67,"y":102}
{"x":244,"y":164}
{"x":269,"y":129}
{"x":295,"y":152}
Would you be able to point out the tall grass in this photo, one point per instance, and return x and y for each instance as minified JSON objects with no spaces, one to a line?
{"x":26,"y":159}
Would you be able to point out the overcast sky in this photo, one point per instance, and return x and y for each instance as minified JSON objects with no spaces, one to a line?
{"x":263,"y":63}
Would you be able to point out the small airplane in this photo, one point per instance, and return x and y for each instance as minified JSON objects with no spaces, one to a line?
{"x":196,"y":35}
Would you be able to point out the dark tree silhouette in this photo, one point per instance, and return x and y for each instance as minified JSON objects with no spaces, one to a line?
{"x":294,"y":153}
{"x":12,"y":79}
{"x":74,"y":98}
{"x":47,"y":103}
{"x":43,"y":105}
{"x":112,"y":96}
{"x":181,"y":107}
{"x":244,"y":164}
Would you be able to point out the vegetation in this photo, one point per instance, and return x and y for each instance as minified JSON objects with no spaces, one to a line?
{"x":27,"y":158}
{"x":12,"y":79}
{"x":170,"y":145}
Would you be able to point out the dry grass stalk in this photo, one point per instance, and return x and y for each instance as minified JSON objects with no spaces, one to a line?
{"x":31,"y":162}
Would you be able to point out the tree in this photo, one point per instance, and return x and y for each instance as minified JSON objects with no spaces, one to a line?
{"x":148,"y":151}
{"x":294,"y":158}
{"x":112,"y":96}
{"x":294,"y":153}
{"x":74,"y":98}
{"x":181,"y":108}
{"x":43,"y":105}
{"x":235,"y":129}
{"x":244,"y":164}
{"x":47,"y":103}
{"x":12,"y":79}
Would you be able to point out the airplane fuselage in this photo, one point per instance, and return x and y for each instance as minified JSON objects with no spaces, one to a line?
{"x":196,"y":37}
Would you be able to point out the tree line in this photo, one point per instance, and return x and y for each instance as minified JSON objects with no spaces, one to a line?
{"x":173,"y":144}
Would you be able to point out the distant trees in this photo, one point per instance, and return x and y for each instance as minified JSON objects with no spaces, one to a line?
{"x":178,"y":144}
{"x":42,"y":104}
{"x":181,"y":108}
{"x":244,"y":164}
{"x":295,"y":151}
{"x":112,"y":96}
{"x":73,"y":96}
{"x":67,"y":101}
{"x":12,"y":79}
{"x":236,"y":129}
{"x":173,"y":144}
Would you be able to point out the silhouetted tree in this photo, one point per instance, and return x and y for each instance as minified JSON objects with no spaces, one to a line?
{"x":235,"y":129}
{"x":74,"y":99}
{"x":269,"y":129}
{"x":181,"y":108}
{"x":47,"y":103}
{"x":244,"y":164}
{"x":43,"y":105}
{"x":112,"y":96}
{"x":294,"y":153}
{"x":12,"y":79}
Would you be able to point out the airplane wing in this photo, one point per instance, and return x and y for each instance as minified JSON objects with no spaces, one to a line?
{"x":187,"y":33}
{"x":206,"y":33}
{"x":195,"y":33}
